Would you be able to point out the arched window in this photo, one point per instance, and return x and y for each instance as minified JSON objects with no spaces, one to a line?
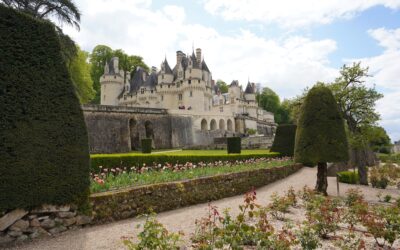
{"x":204,"y":124}
{"x":222,"y":124}
{"x":229,"y":125}
{"x":213,"y":125}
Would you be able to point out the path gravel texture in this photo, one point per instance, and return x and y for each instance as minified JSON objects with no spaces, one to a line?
{"x":108,"y":236}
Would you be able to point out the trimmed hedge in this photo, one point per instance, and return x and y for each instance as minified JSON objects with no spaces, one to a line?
{"x":112,"y":161}
{"x":284,"y":140}
{"x":146,"y":146}
{"x":350,"y":177}
{"x":43,"y":140}
{"x":234,"y":145}
{"x":320,"y":134}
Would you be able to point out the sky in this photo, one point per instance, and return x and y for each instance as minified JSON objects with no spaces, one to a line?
{"x":286,"y":45}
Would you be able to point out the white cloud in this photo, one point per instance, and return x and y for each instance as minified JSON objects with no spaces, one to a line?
{"x":292,"y":13}
{"x":385,"y":69}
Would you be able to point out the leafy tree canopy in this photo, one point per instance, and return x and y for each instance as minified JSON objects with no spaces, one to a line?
{"x":223,"y":87}
{"x":270,"y":101}
{"x":79,"y":69}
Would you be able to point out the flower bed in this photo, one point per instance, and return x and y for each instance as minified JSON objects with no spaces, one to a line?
{"x":115,"y":178}
{"x":302,"y":220}
{"x":129,"y":202}
{"x":137,"y":160}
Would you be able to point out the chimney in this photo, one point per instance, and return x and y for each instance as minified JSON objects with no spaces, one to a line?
{"x":153,"y":69}
{"x":179,"y":56}
{"x":198,"y":55}
{"x":115,"y":62}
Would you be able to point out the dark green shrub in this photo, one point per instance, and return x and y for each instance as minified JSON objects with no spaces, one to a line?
{"x":284,"y":140}
{"x":320,"y":134}
{"x":146,"y":146}
{"x":234,"y":145}
{"x":123,"y":160}
{"x":43,"y":139}
{"x":350,"y":177}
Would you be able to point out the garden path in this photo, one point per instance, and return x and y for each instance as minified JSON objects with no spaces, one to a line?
{"x":108,"y":236}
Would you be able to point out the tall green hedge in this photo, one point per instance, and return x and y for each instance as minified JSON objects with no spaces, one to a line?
{"x":284,"y":139}
{"x":44,"y":154}
{"x":320,"y":134}
{"x":146,"y":146}
{"x":234,"y":145}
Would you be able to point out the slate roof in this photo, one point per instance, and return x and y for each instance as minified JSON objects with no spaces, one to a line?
{"x":250,"y":88}
{"x":234,"y":83}
{"x":167,"y":68}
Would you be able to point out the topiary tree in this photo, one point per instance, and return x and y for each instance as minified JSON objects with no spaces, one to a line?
{"x":284,"y":140}
{"x":234,"y":145}
{"x":320,"y":135}
{"x":43,"y":139}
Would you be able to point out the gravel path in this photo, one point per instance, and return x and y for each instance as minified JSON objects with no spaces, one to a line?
{"x":109,"y":236}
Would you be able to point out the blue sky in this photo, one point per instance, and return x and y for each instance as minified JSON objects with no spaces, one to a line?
{"x":286,"y":45}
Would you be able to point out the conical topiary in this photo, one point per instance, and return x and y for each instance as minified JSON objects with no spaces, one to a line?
{"x":43,"y":139}
{"x":284,"y":140}
{"x":320,"y":135}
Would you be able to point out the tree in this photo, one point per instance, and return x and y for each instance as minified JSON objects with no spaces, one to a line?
{"x":98,"y":58}
{"x":43,"y":139}
{"x":378,"y":139}
{"x":320,"y":134}
{"x":284,"y":140}
{"x":270,"y":101}
{"x":65,"y":10}
{"x":129,"y":63}
{"x":79,"y":69}
{"x":223,"y":87}
{"x":357,"y":104}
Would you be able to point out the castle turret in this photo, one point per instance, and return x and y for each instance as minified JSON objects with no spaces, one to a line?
{"x":112,"y":83}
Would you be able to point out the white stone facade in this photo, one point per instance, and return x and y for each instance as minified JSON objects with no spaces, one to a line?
{"x":188,"y":90}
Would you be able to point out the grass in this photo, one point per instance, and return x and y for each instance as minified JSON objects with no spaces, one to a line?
{"x":137,"y":179}
{"x":188,"y":152}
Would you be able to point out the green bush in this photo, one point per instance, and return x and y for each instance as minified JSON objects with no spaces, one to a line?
{"x":146,"y":146}
{"x":320,"y":134}
{"x":117,"y":160}
{"x":284,"y":140}
{"x":234,"y":145}
{"x":350,"y":177}
{"x":43,"y":139}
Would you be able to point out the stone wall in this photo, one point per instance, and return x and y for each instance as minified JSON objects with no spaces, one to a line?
{"x":130,"y":202}
{"x":20,"y":225}
{"x":115,"y":129}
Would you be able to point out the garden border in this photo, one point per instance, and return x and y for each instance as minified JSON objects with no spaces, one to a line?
{"x":130,"y":202}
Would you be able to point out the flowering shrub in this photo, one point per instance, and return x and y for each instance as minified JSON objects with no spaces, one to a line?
{"x":279,"y":206}
{"x":216,"y":231}
{"x":154,"y":236}
{"x":324,"y":215}
{"x":308,"y":237}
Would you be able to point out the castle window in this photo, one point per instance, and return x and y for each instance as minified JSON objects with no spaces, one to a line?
{"x":180,"y":97}
{"x":162,"y":98}
{"x":142,"y":91}
{"x":189,"y":81}
{"x":199,"y":80}
{"x":221,"y":109}
{"x":169,"y":85}
{"x":152,"y":91}
{"x":191,"y":94}
{"x":162,"y":76}
{"x":104,"y":97}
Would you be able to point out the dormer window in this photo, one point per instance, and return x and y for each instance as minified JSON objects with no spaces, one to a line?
{"x":189,"y":81}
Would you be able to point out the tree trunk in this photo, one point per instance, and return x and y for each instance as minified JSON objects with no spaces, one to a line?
{"x":362,"y":158}
{"x":322,"y":179}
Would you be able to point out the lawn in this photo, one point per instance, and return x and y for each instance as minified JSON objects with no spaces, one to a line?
{"x":188,"y":152}
{"x":120,"y":178}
